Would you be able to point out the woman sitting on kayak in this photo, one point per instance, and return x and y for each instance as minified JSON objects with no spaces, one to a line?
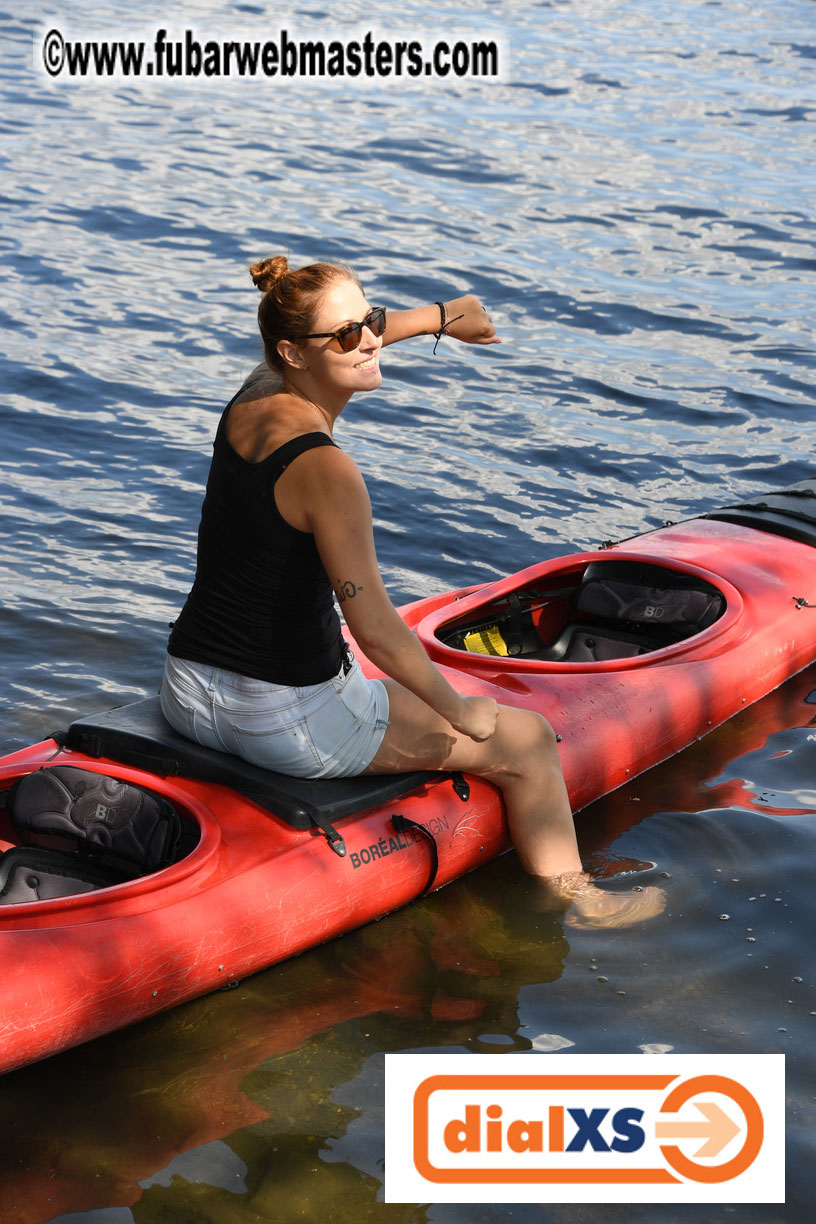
{"x":257,"y":664}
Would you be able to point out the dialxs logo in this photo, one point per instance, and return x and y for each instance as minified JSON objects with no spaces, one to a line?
{"x":682,"y":1128}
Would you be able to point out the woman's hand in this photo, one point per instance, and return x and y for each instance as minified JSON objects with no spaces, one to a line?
{"x":475,"y":325}
{"x":479,"y":717}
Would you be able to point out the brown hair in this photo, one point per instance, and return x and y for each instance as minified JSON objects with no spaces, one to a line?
{"x":290,"y":299}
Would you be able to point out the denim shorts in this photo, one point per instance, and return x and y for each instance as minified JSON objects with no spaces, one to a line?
{"x":328,"y":730}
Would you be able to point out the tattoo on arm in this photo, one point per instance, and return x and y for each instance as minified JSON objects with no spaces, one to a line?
{"x":346,"y":590}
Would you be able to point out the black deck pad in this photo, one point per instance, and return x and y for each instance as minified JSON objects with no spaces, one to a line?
{"x":138,"y":735}
{"x":787,"y":512}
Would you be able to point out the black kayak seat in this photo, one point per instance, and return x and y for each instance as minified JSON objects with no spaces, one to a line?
{"x":138,"y":735}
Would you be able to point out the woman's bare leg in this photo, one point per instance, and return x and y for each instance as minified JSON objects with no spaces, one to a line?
{"x":520,"y":758}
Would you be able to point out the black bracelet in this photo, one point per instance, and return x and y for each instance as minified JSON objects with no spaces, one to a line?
{"x":443,"y":323}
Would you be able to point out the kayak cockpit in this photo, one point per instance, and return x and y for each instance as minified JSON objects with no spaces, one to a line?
{"x":594,"y":611}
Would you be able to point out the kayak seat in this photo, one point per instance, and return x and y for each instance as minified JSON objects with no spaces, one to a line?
{"x":590,"y":643}
{"x":138,"y":735}
{"x":622,"y":609}
{"x":647,"y":604}
{"x":129,"y":828}
{"x":33,"y":873}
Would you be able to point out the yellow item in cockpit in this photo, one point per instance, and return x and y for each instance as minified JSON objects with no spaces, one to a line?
{"x":486,"y":641}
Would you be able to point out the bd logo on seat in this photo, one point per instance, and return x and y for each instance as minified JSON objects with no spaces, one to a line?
{"x":617,"y":1128}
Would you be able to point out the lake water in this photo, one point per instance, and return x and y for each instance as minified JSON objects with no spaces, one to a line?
{"x":633,"y":200}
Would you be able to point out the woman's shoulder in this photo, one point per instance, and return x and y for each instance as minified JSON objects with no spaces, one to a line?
{"x":257,"y":425}
{"x":325,"y":484}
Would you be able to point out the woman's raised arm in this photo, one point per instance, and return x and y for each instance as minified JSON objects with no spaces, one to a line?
{"x":467,"y":320}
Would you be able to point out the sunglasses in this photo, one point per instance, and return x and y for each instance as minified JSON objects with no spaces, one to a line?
{"x":349,"y":336}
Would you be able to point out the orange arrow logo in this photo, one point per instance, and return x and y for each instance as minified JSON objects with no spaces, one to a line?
{"x":718,"y":1130}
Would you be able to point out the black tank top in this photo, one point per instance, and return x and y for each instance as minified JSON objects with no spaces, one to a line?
{"x":261,"y":604}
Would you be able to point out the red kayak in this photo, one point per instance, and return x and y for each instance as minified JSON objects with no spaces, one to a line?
{"x":169,"y":870}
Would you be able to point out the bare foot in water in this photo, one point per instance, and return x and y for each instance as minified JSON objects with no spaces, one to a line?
{"x":583,"y":905}
{"x":593,"y":908}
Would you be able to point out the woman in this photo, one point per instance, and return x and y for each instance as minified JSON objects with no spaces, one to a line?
{"x":257,"y":664}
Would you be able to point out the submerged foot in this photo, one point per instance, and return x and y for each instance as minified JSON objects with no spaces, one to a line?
{"x":580,"y":903}
{"x":594,"y":908}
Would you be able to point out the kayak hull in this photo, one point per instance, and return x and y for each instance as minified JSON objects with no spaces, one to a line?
{"x":256,"y":890}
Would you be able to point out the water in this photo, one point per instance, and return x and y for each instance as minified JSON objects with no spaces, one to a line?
{"x":633,"y":201}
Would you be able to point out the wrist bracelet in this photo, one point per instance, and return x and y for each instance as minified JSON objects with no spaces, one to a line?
{"x":446,"y":323}
{"x":443,"y":323}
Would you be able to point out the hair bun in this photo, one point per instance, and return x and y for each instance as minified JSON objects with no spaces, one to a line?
{"x":268,"y":272}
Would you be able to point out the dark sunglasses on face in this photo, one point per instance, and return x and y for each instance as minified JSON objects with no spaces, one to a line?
{"x":350,"y":335}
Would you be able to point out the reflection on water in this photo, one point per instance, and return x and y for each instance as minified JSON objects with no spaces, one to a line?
{"x":633,"y":201}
